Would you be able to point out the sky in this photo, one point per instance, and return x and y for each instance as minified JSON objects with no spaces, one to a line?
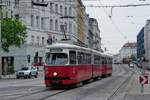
{"x":124,"y":24}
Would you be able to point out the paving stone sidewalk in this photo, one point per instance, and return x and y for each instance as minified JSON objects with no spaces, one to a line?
{"x":133,"y":90}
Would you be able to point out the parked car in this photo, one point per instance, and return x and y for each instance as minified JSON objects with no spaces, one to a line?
{"x":27,"y":72}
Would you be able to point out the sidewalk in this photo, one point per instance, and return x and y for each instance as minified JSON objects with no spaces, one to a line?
{"x":13,"y":76}
{"x":134,"y":87}
{"x":5,"y":77}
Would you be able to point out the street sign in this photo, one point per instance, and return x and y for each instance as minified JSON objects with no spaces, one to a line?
{"x":143,"y":79}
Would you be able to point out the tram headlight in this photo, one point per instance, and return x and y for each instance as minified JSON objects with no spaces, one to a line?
{"x":55,"y":74}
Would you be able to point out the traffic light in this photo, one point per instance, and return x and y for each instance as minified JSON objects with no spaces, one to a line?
{"x":28,"y":58}
{"x":36,"y":54}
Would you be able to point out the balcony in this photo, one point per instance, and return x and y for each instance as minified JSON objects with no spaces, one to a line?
{"x":26,"y":10}
{"x":40,"y":3}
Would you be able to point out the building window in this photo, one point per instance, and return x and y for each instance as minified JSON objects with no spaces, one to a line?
{"x":70,"y":27}
{"x":51,"y":7}
{"x":56,"y":8}
{"x":17,"y":16}
{"x":6,"y":14}
{"x":66,"y":25}
{"x":37,"y":21}
{"x":43,"y":40}
{"x":32,"y":39}
{"x":65,"y":11}
{"x":70,"y":11}
{"x":61,"y":26}
{"x":32,"y":20}
{"x":51,"y":24}
{"x":56,"y":25}
{"x":38,"y":40}
{"x":42,"y":23}
{"x":61,"y":10}
{"x":16,"y":2}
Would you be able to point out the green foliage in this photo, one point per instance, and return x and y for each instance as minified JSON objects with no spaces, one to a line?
{"x":13,"y":33}
{"x":133,"y":57}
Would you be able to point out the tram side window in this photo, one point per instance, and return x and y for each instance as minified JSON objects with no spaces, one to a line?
{"x":72,"y":57}
{"x":88,"y":58}
{"x":84,"y":58}
{"x":106,"y":60}
{"x":96,"y":59}
{"x":103,"y":60}
{"x":80,"y":57}
{"x":110,"y":60}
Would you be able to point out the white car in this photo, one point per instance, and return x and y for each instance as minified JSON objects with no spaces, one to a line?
{"x":131,"y":65}
{"x":27,"y":72}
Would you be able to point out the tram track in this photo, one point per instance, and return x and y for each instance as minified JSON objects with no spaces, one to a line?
{"x":121,"y":87}
{"x":20,"y":91}
{"x":37,"y":92}
{"x":26,"y":94}
{"x":94,"y":89}
{"x":46,"y":97}
{"x":91,"y":91}
{"x":86,"y":92}
{"x":116,"y":90}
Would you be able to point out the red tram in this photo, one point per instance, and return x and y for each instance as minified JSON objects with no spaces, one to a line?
{"x":68,"y":64}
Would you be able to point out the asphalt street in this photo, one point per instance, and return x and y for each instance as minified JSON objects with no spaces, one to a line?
{"x":110,"y":88}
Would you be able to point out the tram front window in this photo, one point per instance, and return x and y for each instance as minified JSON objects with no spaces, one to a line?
{"x":56,"y":59}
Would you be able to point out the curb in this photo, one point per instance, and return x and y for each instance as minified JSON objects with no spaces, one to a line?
{"x":7,"y":77}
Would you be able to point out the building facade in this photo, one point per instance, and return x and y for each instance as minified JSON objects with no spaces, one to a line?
{"x":140,"y":44}
{"x":94,"y":35}
{"x":48,"y":21}
{"x":128,"y":50}
{"x":116,"y":59}
{"x":81,"y":29}
{"x":147,"y":43}
{"x":45,"y":23}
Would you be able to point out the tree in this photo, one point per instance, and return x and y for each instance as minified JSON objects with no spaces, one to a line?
{"x":134,"y":57}
{"x":13,"y":33}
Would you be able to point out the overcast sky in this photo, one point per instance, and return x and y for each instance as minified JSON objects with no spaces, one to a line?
{"x":124,"y":25}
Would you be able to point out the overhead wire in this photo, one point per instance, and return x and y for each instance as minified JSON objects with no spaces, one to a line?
{"x":128,"y":5}
{"x":125,"y":37}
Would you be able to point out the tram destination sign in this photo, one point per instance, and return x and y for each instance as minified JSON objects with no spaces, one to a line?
{"x":56,"y":50}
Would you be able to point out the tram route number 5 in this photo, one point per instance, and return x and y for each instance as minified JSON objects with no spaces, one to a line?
{"x":143,"y":79}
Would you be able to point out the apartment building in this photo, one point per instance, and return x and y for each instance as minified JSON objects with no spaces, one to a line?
{"x":127,"y":50}
{"x":47,"y":21}
{"x":147,"y":44}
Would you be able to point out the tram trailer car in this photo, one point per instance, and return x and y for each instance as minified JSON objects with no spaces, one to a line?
{"x":68,"y":64}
